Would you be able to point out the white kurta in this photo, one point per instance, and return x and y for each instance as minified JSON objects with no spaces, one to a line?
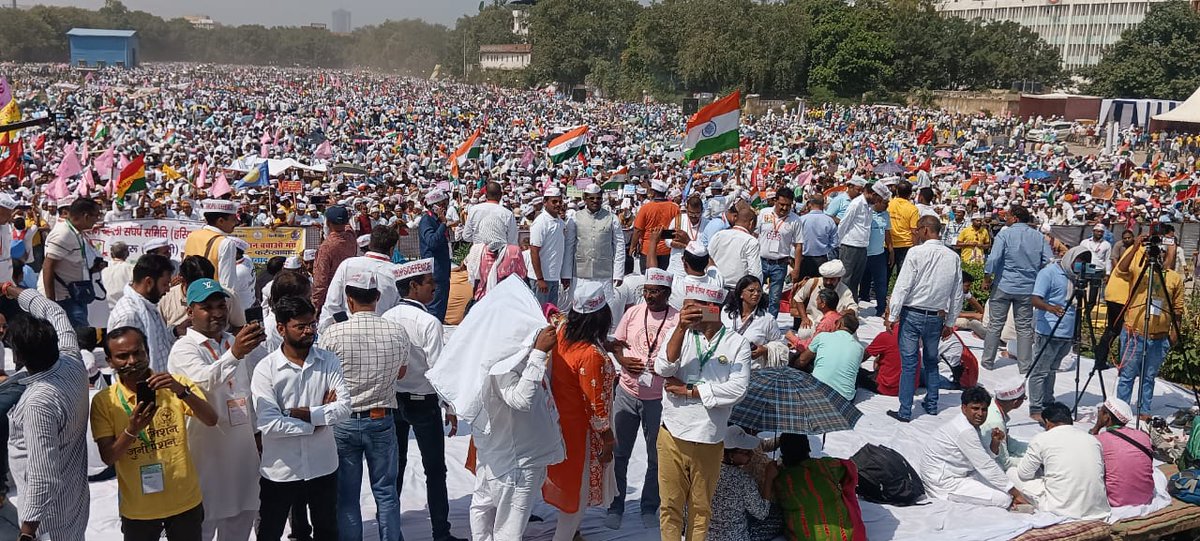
{"x":1072,"y":482}
{"x":379,"y":264}
{"x":956,"y":467}
{"x":225,"y":455}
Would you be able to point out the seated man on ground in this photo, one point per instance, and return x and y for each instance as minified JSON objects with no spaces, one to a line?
{"x":817,"y":495}
{"x":835,"y":357}
{"x":885,"y":377}
{"x":957,"y":467}
{"x":1008,"y":450}
{"x":1071,"y":467}
{"x":804,"y":309}
{"x":827,"y":303}
{"x":1128,"y":458}
{"x":971,"y":318}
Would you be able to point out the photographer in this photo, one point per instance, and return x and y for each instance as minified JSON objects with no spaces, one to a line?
{"x":1145,"y":334}
{"x":1054,"y":324}
{"x":70,"y":262}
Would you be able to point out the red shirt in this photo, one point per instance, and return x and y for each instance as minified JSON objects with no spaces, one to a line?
{"x":655,"y":214}
{"x":887,"y":377}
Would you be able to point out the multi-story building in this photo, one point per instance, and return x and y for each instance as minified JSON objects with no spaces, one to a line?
{"x":1079,"y":29}
{"x":341,"y":22}
{"x":513,"y":56}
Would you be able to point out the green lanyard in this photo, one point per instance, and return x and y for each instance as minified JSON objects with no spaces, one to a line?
{"x":82,"y":250}
{"x":129,"y":411}
{"x":704,"y":356}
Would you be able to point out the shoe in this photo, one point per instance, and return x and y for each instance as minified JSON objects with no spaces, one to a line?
{"x":930,"y":411}
{"x":578,"y":537}
{"x":613,"y":521}
{"x":650,"y":521}
{"x":896,"y":415}
{"x":988,"y":366}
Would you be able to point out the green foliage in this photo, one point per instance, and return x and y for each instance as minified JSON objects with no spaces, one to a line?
{"x":1156,"y":59}
{"x":1183,"y":359}
{"x":976,"y":270}
{"x":568,"y":36}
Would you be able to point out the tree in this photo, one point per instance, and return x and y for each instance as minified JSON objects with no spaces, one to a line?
{"x":568,"y":35}
{"x":1155,"y":59}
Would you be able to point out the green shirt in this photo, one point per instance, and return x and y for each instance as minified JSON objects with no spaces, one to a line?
{"x":839,"y":356}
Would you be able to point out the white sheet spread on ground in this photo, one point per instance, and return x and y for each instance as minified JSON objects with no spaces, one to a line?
{"x":938,"y":520}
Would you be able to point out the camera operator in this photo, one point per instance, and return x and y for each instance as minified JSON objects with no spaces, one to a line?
{"x":70,"y":262}
{"x":1054,"y":324}
{"x":1147,"y":334}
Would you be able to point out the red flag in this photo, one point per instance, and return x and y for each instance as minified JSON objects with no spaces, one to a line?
{"x":40,"y":143}
{"x":11,"y":164}
{"x":926,"y":165}
{"x":926,"y":136}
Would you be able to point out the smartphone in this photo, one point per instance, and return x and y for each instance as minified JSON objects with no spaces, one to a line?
{"x":145,"y":393}
{"x":340,"y":317}
{"x":254,"y":314}
{"x":711,"y":313}
{"x":667,"y":234}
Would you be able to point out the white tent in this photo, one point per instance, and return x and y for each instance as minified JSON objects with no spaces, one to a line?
{"x":276,"y":167}
{"x":1188,"y":111}
{"x":1136,"y":112}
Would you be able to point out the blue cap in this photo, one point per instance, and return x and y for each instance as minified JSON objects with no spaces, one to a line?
{"x":337,"y":215}
{"x":202,"y":289}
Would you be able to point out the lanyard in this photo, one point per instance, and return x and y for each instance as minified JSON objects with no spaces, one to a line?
{"x":379,"y":257}
{"x":414,"y":304}
{"x":82,"y":250}
{"x":712,"y":348}
{"x":217,"y":356}
{"x":129,"y":411}
{"x":652,"y":347}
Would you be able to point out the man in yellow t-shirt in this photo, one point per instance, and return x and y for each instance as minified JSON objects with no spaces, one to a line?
{"x":147,"y":442}
{"x":1146,"y":336}
{"x":974,"y":241}
{"x":904,"y":215}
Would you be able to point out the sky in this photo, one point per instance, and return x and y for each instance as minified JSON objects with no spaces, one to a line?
{"x":291,"y":12}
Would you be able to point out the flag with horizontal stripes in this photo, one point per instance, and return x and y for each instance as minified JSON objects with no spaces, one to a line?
{"x":568,"y":145}
{"x":471,"y":149}
{"x":714,"y":128}
{"x":132,"y":178}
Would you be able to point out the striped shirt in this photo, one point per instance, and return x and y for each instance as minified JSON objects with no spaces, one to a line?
{"x":48,"y":442}
{"x":371,"y":350}
{"x":133,"y":310}
{"x":490,"y":222}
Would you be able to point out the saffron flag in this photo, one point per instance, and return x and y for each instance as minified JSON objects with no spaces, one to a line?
{"x":9,"y":113}
{"x":132,"y":178}
{"x":714,"y":128}
{"x":469,"y":150}
{"x":170,"y":172}
{"x":568,"y":145}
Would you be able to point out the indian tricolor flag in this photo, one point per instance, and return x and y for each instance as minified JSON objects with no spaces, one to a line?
{"x":132,"y":178}
{"x":568,"y":145}
{"x":469,"y":150}
{"x":714,"y":128}
{"x":1184,"y":190}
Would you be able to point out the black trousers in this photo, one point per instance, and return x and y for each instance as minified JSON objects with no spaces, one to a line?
{"x":424,"y":418}
{"x":898,"y":255}
{"x":185,"y":526}
{"x":276,"y":499}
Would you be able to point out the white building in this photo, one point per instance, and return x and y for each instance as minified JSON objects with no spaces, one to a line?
{"x":203,"y":22}
{"x":1079,"y":29}
{"x":513,"y":56}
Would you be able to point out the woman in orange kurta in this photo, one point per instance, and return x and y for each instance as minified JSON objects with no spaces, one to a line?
{"x":581,"y":380}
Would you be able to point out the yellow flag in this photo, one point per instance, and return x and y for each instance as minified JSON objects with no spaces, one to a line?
{"x":9,"y":114}
{"x":171,"y":172}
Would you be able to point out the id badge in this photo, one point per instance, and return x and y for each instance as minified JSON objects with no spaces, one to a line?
{"x":1156,"y":307}
{"x":771,"y":242}
{"x":152,"y":478}
{"x":239,"y":412}
{"x":645,"y":378}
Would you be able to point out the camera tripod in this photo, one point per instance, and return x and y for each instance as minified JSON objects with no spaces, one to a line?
{"x":1083,"y":299}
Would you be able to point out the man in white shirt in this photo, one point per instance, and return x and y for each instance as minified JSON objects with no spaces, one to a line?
{"x":926,"y":299}
{"x":707,"y":371}
{"x":1101,"y":249}
{"x":854,"y":231}
{"x":956,"y":466}
{"x":1071,"y":466}
{"x":7,"y":206}
{"x":522,"y":439}
{"x":373,"y":352}
{"x":378,"y":260}
{"x":490,"y":221}
{"x":69,"y":260}
{"x":735,"y":251}
{"x":698,"y":269}
{"x":547,"y":248}
{"x":778,"y":245}
{"x":117,"y":274}
{"x":225,"y":455}
{"x":138,"y":307}
{"x":298,"y":394}
{"x":418,"y":407}
{"x":243,"y":274}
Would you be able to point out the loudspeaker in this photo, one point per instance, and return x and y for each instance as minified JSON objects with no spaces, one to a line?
{"x":690,"y":106}
{"x":579,"y":95}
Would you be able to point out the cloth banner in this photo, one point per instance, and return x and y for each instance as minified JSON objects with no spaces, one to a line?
{"x":265,"y":243}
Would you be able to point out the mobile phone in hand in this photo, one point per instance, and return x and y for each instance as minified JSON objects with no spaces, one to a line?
{"x":254,"y":314}
{"x":710,"y":313}
{"x":145,"y":393}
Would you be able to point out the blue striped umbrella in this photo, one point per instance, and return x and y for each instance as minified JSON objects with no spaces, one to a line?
{"x":790,"y":400}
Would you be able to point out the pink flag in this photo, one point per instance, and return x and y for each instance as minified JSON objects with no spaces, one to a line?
{"x":83,"y":153}
{"x":324,"y":151}
{"x":70,"y":165}
{"x":804,"y":178}
{"x":111,"y":187}
{"x":220,"y":186}
{"x":58,"y":189}
{"x":203,"y":176}
{"x":122,"y":163}
{"x":527,"y":158}
{"x":262,"y":150}
{"x":85,"y":183}
{"x":103,"y":164}
{"x":266,"y":138}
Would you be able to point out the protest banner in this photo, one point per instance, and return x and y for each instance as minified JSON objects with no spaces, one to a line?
{"x":265,"y":243}
{"x":291,"y":186}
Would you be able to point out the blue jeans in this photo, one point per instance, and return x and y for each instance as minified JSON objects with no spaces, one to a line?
{"x":374,"y":439}
{"x":1132,"y":346}
{"x":774,"y":272}
{"x":77,"y":312}
{"x":924,"y":331}
{"x":875,"y":280}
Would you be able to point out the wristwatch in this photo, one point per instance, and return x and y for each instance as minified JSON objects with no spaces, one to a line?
{"x":187,"y":391}
{"x":287,"y":412}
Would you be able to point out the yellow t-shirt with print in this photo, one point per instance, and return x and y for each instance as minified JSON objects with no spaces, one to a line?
{"x":167,"y":434}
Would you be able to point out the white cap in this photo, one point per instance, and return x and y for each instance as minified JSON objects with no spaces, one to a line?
{"x":363,"y":280}
{"x":1097,"y":227}
{"x":589,"y":297}
{"x":1011,"y":390}
{"x":882,"y":190}
{"x":705,"y":292}
{"x":696,"y":248}
{"x":552,"y":191}
{"x":219,"y":206}
{"x":364,"y":240}
{"x":592,"y":189}
{"x":155,"y":244}
{"x":413,"y":269}
{"x":832,"y":269}
{"x":309,"y":255}
{"x":658,"y":277}
{"x":858,"y":181}
{"x":659,"y":186}
{"x":736,"y":438}
{"x":292,"y":263}
{"x":435,"y":196}
{"x":1119,"y":409}
{"x":7,"y":201}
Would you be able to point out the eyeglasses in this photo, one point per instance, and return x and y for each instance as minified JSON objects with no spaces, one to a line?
{"x":303,"y":326}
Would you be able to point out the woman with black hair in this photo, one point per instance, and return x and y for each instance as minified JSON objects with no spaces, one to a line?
{"x":817,"y":494}
{"x":581,"y":380}
{"x":745,"y":312}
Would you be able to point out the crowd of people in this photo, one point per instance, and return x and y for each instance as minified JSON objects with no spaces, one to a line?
{"x":226,"y":398}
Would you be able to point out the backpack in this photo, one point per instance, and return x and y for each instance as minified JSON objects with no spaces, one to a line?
{"x":885,"y":477}
{"x":1185,"y":486}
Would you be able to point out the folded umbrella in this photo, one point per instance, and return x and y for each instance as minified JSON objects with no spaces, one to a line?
{"x":790,"y":400}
